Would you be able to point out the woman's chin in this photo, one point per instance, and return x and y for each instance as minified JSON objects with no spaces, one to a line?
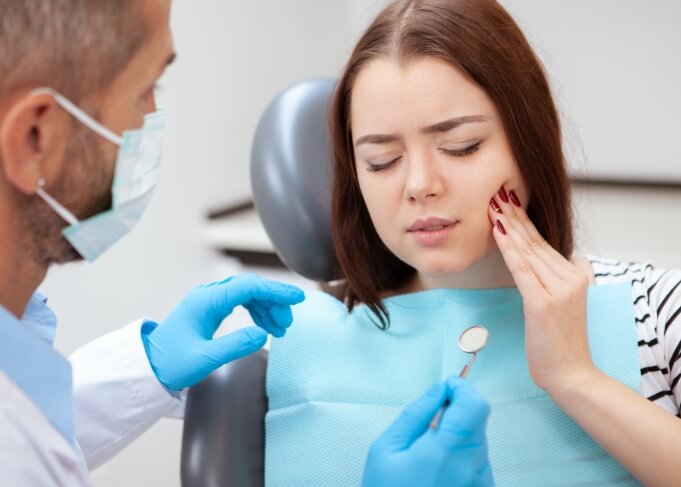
{"x":442,"y":267}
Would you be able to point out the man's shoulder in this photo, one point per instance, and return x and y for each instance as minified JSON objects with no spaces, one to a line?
{"x":32,"y":452}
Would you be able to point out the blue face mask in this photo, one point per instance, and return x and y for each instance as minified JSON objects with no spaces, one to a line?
{"x":135,"y":178}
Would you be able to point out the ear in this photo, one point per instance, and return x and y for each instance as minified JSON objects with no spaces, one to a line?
{"x":33,"y":136}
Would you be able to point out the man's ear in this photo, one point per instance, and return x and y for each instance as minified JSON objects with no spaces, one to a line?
{"x":33,"y":136}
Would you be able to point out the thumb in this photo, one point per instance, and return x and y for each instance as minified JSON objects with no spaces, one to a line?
{"x":414,"y":420}
{"x":236,"y":345}
{"x":466,"y":417}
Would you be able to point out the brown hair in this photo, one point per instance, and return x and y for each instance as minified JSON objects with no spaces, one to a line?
{"x":74,"y":46}
{"x":481,"y":38}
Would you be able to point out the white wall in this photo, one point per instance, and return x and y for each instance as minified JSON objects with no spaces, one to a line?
{"x":615,"y":75}
{"x":630,"y":224}
{"x":233,"y":58}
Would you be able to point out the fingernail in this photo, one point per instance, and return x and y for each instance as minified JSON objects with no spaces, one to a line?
{"x":503,"y":195}
{"x":501,"y":228}
{"x":514,"y":199}
{"x":495,"y":206}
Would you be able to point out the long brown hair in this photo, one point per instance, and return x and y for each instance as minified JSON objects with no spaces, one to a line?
{"x":481,"y":38}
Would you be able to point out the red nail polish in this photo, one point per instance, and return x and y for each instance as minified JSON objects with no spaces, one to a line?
{"x":503,"y":195}
{"x":501,"y":228}
{"x":495,"y":206}
{"x":514,"y":199}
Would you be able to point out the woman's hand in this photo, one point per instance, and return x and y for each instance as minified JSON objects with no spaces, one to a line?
{"x":554,"y":292}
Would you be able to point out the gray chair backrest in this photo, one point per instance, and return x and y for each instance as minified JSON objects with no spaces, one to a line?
{"x":291,"y":178}
{"x":223,"y":440}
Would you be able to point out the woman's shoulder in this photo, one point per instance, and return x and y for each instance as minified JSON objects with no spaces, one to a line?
{"x":656,"y":294}
{"x":319,"y":297}
{"x":654,"y":285}
{"x":607,"y":271}
{"x":318,"y":308}
{"x":657,"y":298}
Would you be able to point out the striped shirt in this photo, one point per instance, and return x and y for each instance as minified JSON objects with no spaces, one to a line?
{"x":657,"y":309}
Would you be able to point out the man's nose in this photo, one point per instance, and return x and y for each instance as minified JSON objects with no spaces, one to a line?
{"x":150,"y":104}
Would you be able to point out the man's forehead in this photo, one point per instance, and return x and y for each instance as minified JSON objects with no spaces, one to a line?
{"x":158,"y":51}
{"x":157,"y":18}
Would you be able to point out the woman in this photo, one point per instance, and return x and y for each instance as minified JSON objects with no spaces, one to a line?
{"x":449,"y":175}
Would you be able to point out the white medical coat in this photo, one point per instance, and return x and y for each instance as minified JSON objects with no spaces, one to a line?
{"x":116,"y":397}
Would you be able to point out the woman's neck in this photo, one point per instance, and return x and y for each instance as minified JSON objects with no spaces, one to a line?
{"x":488,"y":273}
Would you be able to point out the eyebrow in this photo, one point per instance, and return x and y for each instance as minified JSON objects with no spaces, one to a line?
{"x":453,"y":123}
{"x":439,"y":127}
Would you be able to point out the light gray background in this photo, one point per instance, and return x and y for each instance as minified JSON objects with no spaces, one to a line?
{"x":616,"y":75}
{"x":615,"y":69}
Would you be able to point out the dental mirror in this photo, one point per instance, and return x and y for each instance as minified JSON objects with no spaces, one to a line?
{"x":471,"y":340}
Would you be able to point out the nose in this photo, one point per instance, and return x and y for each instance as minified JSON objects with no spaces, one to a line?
{"x":423,"y":180}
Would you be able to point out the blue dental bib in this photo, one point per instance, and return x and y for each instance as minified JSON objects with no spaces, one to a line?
{"x":336,"y":382}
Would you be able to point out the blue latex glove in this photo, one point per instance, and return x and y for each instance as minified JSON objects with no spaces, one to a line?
{"x":182,"y":351}
{"x":409,"y":453}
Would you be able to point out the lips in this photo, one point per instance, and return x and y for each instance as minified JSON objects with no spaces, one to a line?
{"x":432,"y":232}
{"x":431,"y":224}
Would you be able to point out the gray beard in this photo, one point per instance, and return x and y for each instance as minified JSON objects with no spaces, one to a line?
{"x":84,"y":188}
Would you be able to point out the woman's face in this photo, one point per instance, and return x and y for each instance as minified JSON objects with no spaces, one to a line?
{"x":430,"y":153}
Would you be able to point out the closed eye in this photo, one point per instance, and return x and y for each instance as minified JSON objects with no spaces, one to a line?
{"x":462,"y":152}
{"x":382,"y":167}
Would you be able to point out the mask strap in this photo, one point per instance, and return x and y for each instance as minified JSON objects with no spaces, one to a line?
{"x":55,"y":205}
{"x":80,"y":115}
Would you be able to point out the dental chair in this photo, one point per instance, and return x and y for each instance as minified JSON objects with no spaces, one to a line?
{"x":223,"y":441}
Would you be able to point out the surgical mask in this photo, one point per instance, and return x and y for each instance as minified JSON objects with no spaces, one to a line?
{"x":135,"y":177}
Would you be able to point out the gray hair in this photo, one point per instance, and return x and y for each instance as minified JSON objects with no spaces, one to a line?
{"x":74,"y":46}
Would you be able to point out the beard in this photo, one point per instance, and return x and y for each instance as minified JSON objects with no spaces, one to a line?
{"x":84,"y":188}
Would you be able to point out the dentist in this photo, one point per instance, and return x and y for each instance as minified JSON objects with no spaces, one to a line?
{"x":80,"y":139}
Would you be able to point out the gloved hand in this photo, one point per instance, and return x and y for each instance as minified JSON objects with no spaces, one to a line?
{"x":182,"y":351}
{"x":409,"y":453}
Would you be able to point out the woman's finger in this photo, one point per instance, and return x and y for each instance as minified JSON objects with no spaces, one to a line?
{"x":518,"y":210}
{"x":547,"y":277}
{"x":532,"y":242}
{"x":550,"y":279}
{"x":522,"y":272}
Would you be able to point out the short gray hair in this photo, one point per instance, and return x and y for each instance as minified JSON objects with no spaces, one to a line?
{"x":74,"y":46}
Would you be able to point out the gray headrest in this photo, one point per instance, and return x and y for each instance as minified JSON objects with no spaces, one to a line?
{"x":291,"y":177}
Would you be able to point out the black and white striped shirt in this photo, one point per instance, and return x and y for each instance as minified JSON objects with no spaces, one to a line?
{"x":657,"y":309}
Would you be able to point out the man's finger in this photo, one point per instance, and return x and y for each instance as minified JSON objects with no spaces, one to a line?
{"x":236,"y":345}
{"x":274,"y":319}
{"x":414,"y":420}
{"x":285,"y":293}
{"x":465,"y":418}
{"x":223,"y":297}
